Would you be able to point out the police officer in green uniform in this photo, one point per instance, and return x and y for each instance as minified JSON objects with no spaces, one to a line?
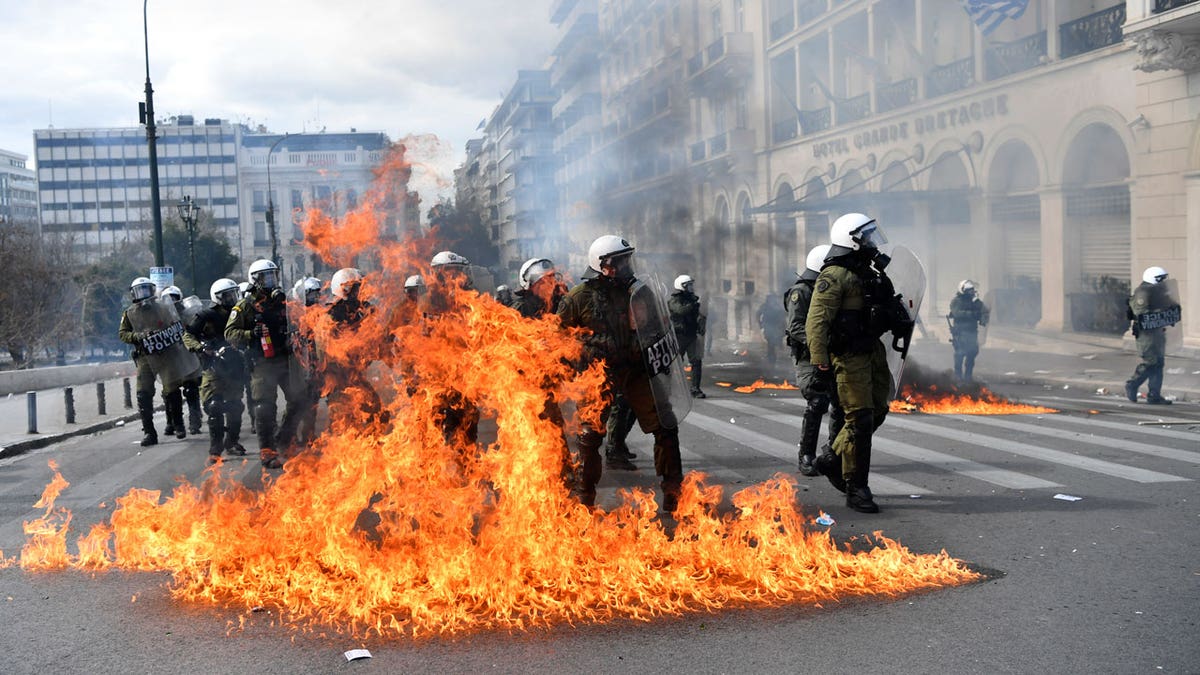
{"x":188,"y":390}
{"x":223,"y":380}
{"x":542,"y":289}
{"x":1151,"y":295}
{"x":601,"y":304}
{"x":304,"y":373}
{"x":141,"y":290}
{"x":817,"y":392}
{"x":259,"y":325}
{"x":689,"y":324}
{"x":343,"y":377}
{"x":967,"y":314}
{"x":853,"y":305}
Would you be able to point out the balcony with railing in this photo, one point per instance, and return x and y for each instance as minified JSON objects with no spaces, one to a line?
{"x":854,"y":108}
{"x":895,"y":95}
{"x":724,"y":151}
{"x":950,"y":78}
{"x":783,"y":130}
{"x":1009,"y":58}
{"x":1161,"y":6}
{"x":812,"y":121}
{"x":727,"y":61}
{"x":1092,"y":32}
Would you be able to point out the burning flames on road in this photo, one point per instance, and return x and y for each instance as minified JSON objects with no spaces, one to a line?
{"x":936,"y":394}
{"x":760,"y":384}
{"x":394,"y":528}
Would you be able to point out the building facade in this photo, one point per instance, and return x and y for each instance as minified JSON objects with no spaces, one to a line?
{"x":18,"y":190}
{"x":294,"y":173}
{"x":94,"y":184}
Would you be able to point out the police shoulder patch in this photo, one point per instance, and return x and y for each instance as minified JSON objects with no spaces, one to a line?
{"x":233,"y":314}
{"x":822,"y":285}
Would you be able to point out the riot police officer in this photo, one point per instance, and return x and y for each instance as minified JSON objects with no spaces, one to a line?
{"x":304,"y":372}
{"x":770,"y":322}
{"x":817,"y":392}
{"x":1152,"y":295}
{"x":451,"y":275}
{"x":414,"y":288}
{"x":344,"y":376}
{"x":689,"y":324}
{"x":601,"y":304}
{"x":141,"y":290}
{"x":967,"y":315}
{"x":223,"y":380}
{"x":853,"y":305}
{"x":504,"y":295}
{"x":188,"y":390}
{"x":259,"y":325}
{"x":541,"y":291}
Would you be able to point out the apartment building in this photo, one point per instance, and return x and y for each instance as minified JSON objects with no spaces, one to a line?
{"x":18,"y":190}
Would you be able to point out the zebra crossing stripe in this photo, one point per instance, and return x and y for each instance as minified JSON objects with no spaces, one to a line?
{"x":717,"y":472}
{"x":941,"y":460}
{"x":1132,"y":428}
{"x":1039,"y":452}
{"x":787,"y":452}
{"x":1114,"y":443}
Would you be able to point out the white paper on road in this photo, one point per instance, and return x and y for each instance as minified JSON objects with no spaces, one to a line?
{"x":1067,"y":498}
{"x":355,"y":654}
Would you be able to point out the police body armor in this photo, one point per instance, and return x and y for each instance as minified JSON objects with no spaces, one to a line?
{"x":1157,"y":308}
{"x":163,"y":345}
{"x":660,"y":350}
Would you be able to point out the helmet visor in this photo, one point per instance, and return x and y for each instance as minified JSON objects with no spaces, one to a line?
{"x":538,"y":270}
{"x":267,"y":279}
{"x":869,"y":235}
{"x":622,"y":265}
{"x":227,"y":297}
{"x":141,"y":292}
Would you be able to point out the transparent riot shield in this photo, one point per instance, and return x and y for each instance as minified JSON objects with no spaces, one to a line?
{"x":908,"y":277}
{"x":660,"y":351}
{"x":163,"y":344}
{"x":191,"y":307}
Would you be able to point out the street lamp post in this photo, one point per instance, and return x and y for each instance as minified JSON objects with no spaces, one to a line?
{"x":271,"y":205}
{"x":146,"y":112}
{"x":188,"y":213}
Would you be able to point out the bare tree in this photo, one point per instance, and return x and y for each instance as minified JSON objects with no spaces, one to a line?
{"x":38,"y":295}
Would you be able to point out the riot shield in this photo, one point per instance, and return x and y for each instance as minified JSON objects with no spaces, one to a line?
{"x":1169,"y":318}
{"x":163,"y":344}
{"x":660,"y":351}
{"x":908,"y":277}
{"x":191,"y":307}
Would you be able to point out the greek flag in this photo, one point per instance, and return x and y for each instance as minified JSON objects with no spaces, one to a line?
{"x":989,"y":14}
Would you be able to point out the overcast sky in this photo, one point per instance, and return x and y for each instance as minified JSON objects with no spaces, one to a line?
{"x":400,"y":66}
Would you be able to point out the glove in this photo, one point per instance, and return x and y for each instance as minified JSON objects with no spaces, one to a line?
{"x":260,"y":330}
{"x":820,"y":383}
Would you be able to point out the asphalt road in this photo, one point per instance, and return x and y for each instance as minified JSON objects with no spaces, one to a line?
{"x":1109,"y":583}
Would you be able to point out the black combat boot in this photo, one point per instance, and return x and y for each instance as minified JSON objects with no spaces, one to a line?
{"x":191,"y":393}
{"x":145,"y":404}
{"x":216,"y":437}
{"x":265,"y":428}
{"x":614,"y":459}
{"x":669,"y":465}
{"x":233,"y":429}
{"x":810,"y":432}
{"x":830,"y":466}
{"x":174,"y":405}
{"x":589,"y":454}
{"x":858,"y":494}
{"x":697,"y":373}
{"x":620,"y":423}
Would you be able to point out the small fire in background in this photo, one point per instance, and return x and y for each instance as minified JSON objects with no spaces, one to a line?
{"x":398,"y":529}
{"x":761,"y":384}
{"x":938,"y":394}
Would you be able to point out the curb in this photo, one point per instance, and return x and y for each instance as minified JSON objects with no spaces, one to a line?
{"x":23,"y":447}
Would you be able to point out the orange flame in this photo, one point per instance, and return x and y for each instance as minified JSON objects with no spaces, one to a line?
{"x":986,"y":402}
{"x":760,"y":384}
{"x":391,"y":528}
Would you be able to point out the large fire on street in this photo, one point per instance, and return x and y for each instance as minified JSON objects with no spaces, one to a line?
{"x":393,"y":528}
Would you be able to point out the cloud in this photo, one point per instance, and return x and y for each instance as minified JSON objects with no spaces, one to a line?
{"x":414,"y":67}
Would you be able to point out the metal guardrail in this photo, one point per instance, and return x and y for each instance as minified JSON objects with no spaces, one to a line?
{"x":1092,"y":32}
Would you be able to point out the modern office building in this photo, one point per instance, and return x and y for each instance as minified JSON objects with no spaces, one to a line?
{"x":94,"y":184}
{"x":18,"y":190}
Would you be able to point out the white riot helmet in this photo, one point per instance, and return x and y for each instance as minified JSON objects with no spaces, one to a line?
{"x":855,"y":231}
{"x":533,"y":270}
{"x":415,"y":281}
{"x":141,"y":289}
{"x":171,"y":293}
{"x":307,"y":290}
{"x":264,"y":274}
{"x":682,"y":281}
{"x":815,"y":261}
{"x":967,"y":286}
{"x":224,"y":292}
{"x":608,"y":250}
{"x":244,"y":288}
{"x":1154,"y":275}
{"x":345,"y":281}
{"x":449,"y":258}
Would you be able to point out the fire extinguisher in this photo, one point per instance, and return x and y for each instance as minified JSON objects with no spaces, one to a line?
{"x":268,"y":346}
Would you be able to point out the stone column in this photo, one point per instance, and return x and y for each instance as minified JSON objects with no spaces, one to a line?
{"x":1055,"y":316}
{"x":1189,"y":279}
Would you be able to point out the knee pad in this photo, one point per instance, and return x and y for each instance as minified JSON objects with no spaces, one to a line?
{"x":590,"y":438}
{"x":864,"y":422}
